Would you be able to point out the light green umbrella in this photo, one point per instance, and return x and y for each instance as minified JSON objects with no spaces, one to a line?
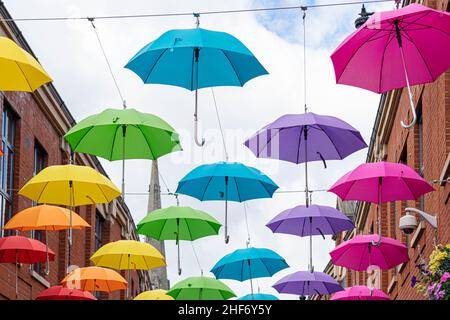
{"x":119,"y":134}
{"x":178,"y":223}
{"x":201,"y":288}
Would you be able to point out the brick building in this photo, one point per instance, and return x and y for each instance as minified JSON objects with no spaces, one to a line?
{"x":426,"y":148}
{"x":33,"y":125}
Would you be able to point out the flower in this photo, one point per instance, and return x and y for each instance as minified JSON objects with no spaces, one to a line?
{"x":445,"y":277}
{"x":413,"y":281}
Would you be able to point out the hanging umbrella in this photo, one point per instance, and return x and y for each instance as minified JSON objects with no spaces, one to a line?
{"x":381,"y":182}
{"x":18,"y":249}
{"x":45,"y":217}
{"x":178,"y":223}
{"x":249,"y":263}
{"x":20,"y":70}
{"x":70,"y":185}
{"x":360,"y":293}
{"x":259,"y":296}
{"x":201,"y":288}
{"x":61,"y":293}
{"x":94,"y":279}
{"x":119,"y":134}
{"x":395,"y":49}
{"x":226,"y":181}
{"x":153,"y":295}
{"x":128,"y":255}
{"x":306,"y":283}
{"x":360,"y":252}
{"x":195,"y":59}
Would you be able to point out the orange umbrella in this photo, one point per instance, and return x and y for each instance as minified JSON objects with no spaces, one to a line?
{"x":94,"y":279}
{"x":45,"y":217}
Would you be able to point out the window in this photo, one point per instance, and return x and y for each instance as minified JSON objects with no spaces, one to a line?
{"x":420,"y":147}
{"x":99,"y":221}
{"x":7,"y":166}
{"x":39,"y":164}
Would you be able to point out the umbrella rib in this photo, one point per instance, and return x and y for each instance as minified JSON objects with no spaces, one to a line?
{"x":148,"y":143}
{"x":113,"y":142}
{"x":232,"y":66}
{"x":162,"y":228}
{"x":154,"y":65}
{"x":42,"y":191}
{"x":299,"y":141}
{"x":237,"y":189}
{"x":421,"y":55}
{"x":84,"y":135}
{"x":329,"y":138}
{"x":265,"y":146}
{"x":303,"y":227}
{"x":206,"y":188}
{"x":389,"y":39}
{"x":424,"y":25}
{"x":24,"y":76}
{"x":407,"y":185}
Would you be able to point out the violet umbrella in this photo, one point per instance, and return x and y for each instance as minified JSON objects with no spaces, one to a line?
{"x":395,"y":49}
{"x":380,"y":182}
{"x":360,"y":293}
{"x":306,"y":283}
{"x":360,"y":252}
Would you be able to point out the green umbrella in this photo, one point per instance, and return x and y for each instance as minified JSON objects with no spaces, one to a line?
{"x":119,"y":134}
{"x":201,"y":288}
{"x":178,"y":223}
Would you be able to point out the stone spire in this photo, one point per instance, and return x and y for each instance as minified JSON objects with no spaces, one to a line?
{"x":158,"y":277}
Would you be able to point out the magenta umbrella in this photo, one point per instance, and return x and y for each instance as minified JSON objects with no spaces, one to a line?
{"x":380,"y":182}
{"x":395,"y":49}
{"x":360,"y":293}
{"x":360,"y":252}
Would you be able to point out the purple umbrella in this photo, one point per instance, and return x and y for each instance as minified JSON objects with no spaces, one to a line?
{"x":306,"y":283}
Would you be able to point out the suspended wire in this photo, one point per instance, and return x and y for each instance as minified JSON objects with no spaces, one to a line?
{"x":304,"y":56}
{"x":278,"y":192}
{"x":246,"y":224}
{"x":177,"y":14}
{"x":107,"y":62}
{"x":196,"y":258}
{"x":220,"y":125}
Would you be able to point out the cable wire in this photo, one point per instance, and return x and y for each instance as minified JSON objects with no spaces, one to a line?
{"x":304,"y":56}
{"x":177,"y":14}
{"x":246,"y":223}
{"x":220,"y":125}
{"x":196,"y":258}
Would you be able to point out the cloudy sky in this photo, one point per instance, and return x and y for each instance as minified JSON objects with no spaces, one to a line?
{"x":69,"y":51}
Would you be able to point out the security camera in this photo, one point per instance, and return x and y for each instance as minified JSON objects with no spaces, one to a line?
{"x":408,"y":223}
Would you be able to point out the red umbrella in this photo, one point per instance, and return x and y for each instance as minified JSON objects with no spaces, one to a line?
{"x":61,"y":293}
{"x":360,"y":293}
{"x":17,"y":249}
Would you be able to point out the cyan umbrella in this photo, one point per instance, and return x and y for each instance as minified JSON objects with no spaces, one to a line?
{"x":194,"y":59}
{"x":249,"y":263}
{"x":258,"y":296}
{"x":226,"y":181}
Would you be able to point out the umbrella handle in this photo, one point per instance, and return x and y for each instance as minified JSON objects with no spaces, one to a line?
{"x":47,"y":262}
{"x":377,"y":243}
{"x":411,"y":103}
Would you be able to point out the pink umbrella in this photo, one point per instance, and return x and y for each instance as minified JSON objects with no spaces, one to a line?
{"x":360,"y":293}
{"x":380,"y":182}
{"x":360,"y":252}
{"x":395,"y":49}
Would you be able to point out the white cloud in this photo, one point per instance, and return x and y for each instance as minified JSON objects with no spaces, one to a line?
{"x":70,"y":53}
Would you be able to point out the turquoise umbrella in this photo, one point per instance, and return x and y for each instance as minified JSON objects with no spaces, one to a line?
{"x":194,"y":59}
{"x":259,"y":296}
{"x":226,"y":181}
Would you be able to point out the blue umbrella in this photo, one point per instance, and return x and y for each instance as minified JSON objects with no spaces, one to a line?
{"x":259,"y":296}
{"x":226,"y":181}
{"x":249,"y":263}
{"x":195,"y":59}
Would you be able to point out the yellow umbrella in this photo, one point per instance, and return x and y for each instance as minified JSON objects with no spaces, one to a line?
{"x":128,"y":255}
{"x":20,"y":71}
{"x":70,"y":185}
{"x":153,"y":295}
{"x":45,"y":217}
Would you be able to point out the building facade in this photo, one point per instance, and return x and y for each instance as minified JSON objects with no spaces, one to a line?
{"x":32,"y":126}
{"x":426,"y":148}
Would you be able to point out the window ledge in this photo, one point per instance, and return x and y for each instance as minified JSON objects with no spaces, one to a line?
{"x":39,"y":278}
{"x":417,"y":235}
{"x":401,"y":267}
{"x":392,"y":284}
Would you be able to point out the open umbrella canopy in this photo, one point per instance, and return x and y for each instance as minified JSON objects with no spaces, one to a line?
{"x":313,"y":220}
{"x":61,"y":293}
{"x":178,"y":223}
{"x":360,"y":252}
{"x":201,"y":288}
{"x":415,"y":31}
{"x":153,"y":295}
{"x":45,"y":217}
{"x":258,"y":296}
{"x":249,"y":263}
{"x":117,"y":134}
{"x":306,"y":137}
{"x":128,"y":255}
{"x":380,"y":182}
{"x":20,"y":70}
{"x":306,"y":283}
{"x":231,"y":181}
{"x":18,"y":249}
{"x":222,"y":60}
{"x":94,"y":279}
{"x":70,"y":185}
{"x":360,"y":293}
